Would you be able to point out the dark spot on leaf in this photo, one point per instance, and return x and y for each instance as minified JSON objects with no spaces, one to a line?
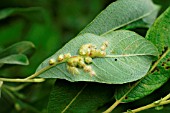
{"x":168,"y":59}
{"x":126,"y":97}
{"x":115,"y":59}
{"x":167,"y":67}
{"x":163,"y":64}
{"x":155,"y":70}
{"x":163,"y":51}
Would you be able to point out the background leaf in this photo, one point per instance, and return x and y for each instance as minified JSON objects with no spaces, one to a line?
{"x":78,"y":97}
{"x":159,"y":34}
{"x":20,"y":59}
{"x":117,"y":70}
{"x":27,"y":13}
{"x":1,"y":83}
{"x":16,"y":53}
{"x":24,"y":47}
{"x":120,"y":14}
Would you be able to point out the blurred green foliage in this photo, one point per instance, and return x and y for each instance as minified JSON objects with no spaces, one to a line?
{"x":49,"y":24}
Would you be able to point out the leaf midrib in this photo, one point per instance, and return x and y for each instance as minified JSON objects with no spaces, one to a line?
{"x":147,"y":14}
{"x":76,"y":96}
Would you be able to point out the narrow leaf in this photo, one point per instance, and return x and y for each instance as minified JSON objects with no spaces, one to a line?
{"x":19,"y":59}
{"x":1,"y":83}
{"x":159,"y":34}
{"x":81,"y":97}
{"x":121,"y":13}
{"x":30,"y":12}
{"x":128,"y":58}
{"x":24,"y":47}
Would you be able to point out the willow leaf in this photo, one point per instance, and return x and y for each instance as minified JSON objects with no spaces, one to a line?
{"x":19,"y":59}
{"x":159,"y":34}
{"x":1,"y":83}
{"x":29,"y":12}
{"x":67,"y":97}
{"x":24,"y":47}
{"x":128,"y":58}
{"x":120,"y":14}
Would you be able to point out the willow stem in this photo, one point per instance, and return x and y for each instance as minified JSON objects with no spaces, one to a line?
{"x":166,"y":97}
{"x":43,"y":70}
{"x":15,"y":88}
{"x":22,"y":80}
{"x":149,"y":106}
{"x":113,"y":106}
{"x":30,"y":78}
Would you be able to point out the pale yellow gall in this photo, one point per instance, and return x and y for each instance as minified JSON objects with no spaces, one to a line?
{"x":88,"y":60}
{"x":73,"y":70}
{"x":60,"y":58}
{"x":81,"y":64}
{"x":106,"y":43}
{"x":87,"y":68}
{"x":52,"y":62}
{"x":73,"y":61}
{"x":92,"y":73}
{"x":66,"y":56}
{"x":103,"y":47}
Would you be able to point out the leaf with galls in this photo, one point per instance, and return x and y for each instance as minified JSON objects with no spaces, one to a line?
{"x":130,"y":61}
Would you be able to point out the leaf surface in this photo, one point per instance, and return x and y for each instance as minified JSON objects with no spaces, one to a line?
{"x":1,"y":83}
{"x":78,"y":97}
{"x":24,"y":47}
{"x":128,"y":58}
{"x":120,"y":14}
{"x":30,"y":12}
{"x":19,"y":59}
{"x":106,"y":21}
{"x":159,"y":34}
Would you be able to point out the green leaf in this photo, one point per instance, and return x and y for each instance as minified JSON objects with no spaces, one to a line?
{"x":144,"y":22}
{"x":145,"y":87}
{"x":1,"y":83}
{"x":19,"y":59}
{"x":159,"y":34}
{"x":30,"y":12}
{"x":120,"y":14}
{"x":128,"y":58}
{"x":24,"y":47}
{"x":78,"y":97}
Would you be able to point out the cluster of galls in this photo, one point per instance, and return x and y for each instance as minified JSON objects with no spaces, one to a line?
{"x":91,"y":50}
{"x":61,"y":58}
{"x":76,"y":62}
{"x":86,"y":53}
